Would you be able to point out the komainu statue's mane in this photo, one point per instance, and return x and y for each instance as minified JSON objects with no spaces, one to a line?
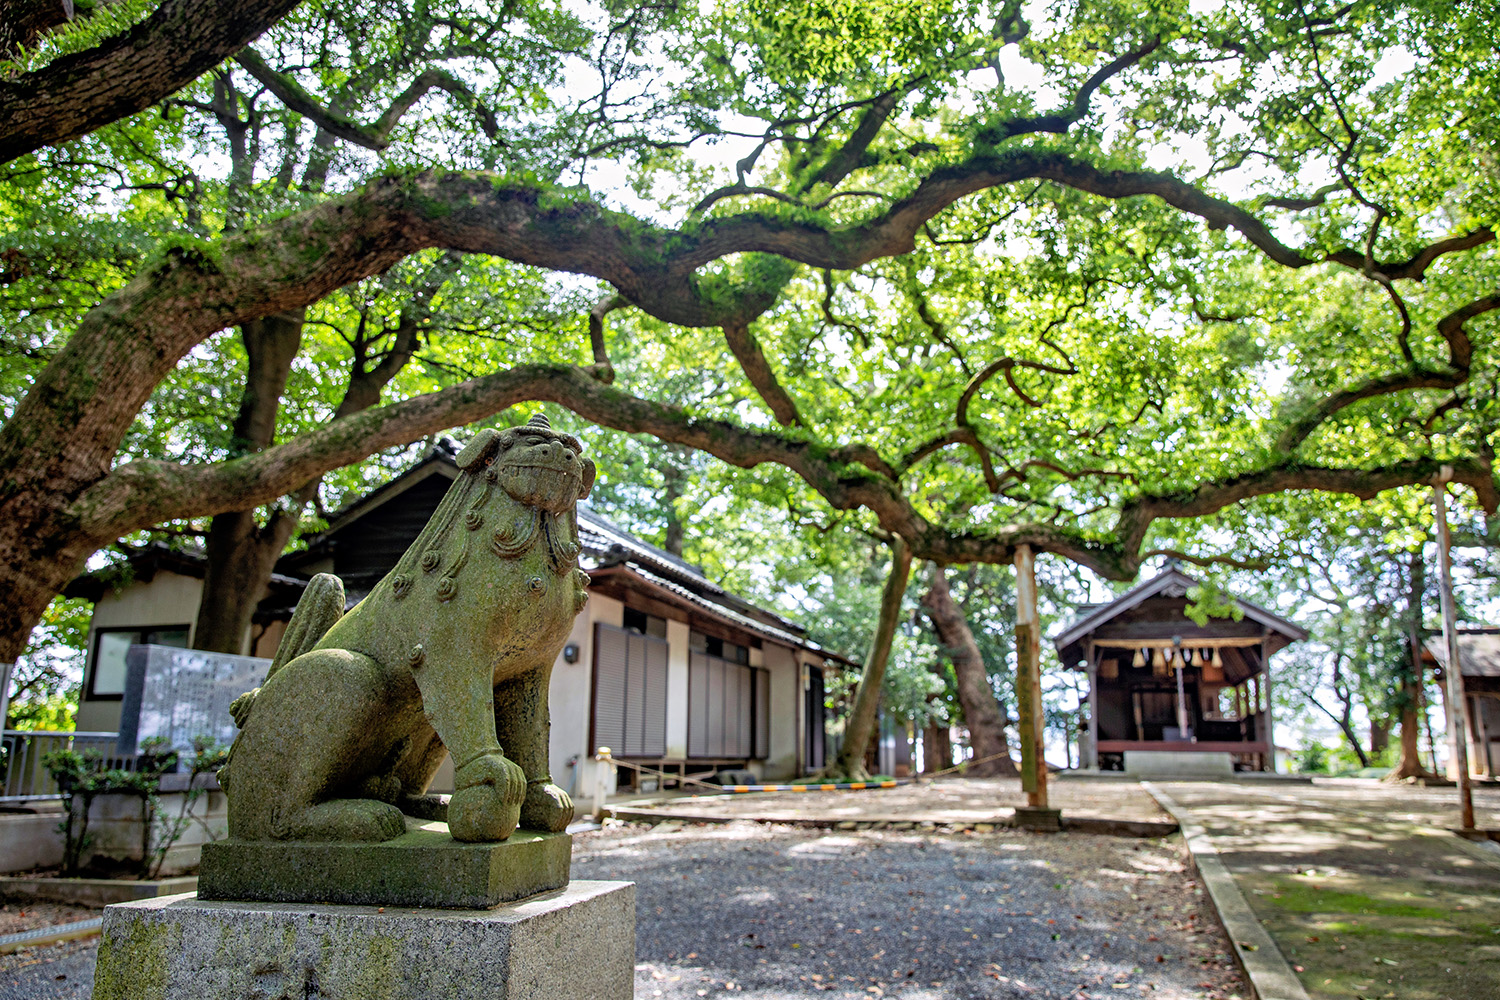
{"x":466,"y":501}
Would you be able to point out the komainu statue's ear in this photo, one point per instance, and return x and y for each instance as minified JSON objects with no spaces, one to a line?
{"x":588,"y":479}
{"x":475,"y":449}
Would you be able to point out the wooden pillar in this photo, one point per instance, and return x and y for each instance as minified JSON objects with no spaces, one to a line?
{"x":1265,"y":669}
{"x":1093,"y":757}
{"x":1182,"y":712}
{"x":1481,"y":738}
{"x":1458,"y":705}
{"x":1029,"y":680}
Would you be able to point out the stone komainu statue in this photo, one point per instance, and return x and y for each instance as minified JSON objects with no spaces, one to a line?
{"x":450,"y":653}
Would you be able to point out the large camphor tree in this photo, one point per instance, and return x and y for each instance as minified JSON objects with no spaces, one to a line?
{"x":984,"y":282}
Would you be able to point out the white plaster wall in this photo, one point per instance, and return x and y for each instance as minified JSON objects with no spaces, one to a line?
{"x":168,"y":599}
{"x":679,"y":635}
{"x":571,"y":702}
{"x":786,"y":695}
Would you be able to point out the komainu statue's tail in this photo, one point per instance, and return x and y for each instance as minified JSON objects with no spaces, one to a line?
{"x":322,"y":605}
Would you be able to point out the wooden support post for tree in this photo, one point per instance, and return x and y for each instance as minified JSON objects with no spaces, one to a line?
{"x":850,"y":763}
{"x":1029,"y":680}
{"x":1458,"y":727}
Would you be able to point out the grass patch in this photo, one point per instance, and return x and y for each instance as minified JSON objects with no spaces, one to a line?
{"x":1412,"y":940}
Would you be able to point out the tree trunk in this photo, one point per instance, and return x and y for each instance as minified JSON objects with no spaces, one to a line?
{"x":1380,"y":734}
{"x":937,"y":748}
{"x":240,"y":552}
{"x":982,"y":713}
{"x":849,"y":765}
{"x":675,"y":480}
{"x":1409,"y":707}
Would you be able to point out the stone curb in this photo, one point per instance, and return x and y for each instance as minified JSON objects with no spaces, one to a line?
{"x":1482,"y":851}
{"x":1255,"y":952}
{"x":56,"y":934}
{"x":1110,"y":827}
{"x":93,"y":891}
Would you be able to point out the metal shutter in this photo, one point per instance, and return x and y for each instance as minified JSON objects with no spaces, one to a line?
{"x":744,"y":715}
{"x":698,"y":705}
{"x":635,"y":688}
{"x":715,"y":707}
{"x":611,"y":653}
{"x":815,"y":748}
{"x":654,"y":702}
{"x":630,"y":692}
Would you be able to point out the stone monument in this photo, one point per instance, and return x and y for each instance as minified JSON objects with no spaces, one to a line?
{"x":342,"y":877}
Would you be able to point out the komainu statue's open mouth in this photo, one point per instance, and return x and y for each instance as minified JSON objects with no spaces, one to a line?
{"x":551,"y":486}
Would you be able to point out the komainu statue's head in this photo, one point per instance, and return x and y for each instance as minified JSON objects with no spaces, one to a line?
{"x":538,"y":466}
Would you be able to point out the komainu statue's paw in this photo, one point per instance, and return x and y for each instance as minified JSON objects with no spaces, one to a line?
{"x":487,"y":804}
{"x":547,"y":807}
{"x":348,"y":820}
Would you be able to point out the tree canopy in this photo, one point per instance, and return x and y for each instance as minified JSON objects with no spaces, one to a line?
{"x":974,"y":281}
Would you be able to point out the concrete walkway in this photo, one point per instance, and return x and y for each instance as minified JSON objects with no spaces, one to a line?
{"x":1359,"y":884}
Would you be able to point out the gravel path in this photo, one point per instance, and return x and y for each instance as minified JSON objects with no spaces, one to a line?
{"x":61,"y":972}
{"x":765,"y":912}
{"x":769,"y":912}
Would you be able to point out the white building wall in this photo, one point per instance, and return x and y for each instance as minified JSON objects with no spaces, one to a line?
{"x":786,"y":698}
{"x":571,"y":700}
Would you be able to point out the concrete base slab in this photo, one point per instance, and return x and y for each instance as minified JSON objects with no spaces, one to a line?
{"x":1168,"y":764}
{"x":1037,"y":818}
{"x":423,"y":867}
{"x":577,"y":943}
{"x":93,"y":891}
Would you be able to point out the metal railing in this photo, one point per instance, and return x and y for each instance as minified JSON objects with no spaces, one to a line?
{"x":27,"y":780}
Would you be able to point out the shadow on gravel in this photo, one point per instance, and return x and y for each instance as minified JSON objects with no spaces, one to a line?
{"x":761,"y":912}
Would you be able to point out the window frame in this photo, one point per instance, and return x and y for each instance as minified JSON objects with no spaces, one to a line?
{"x":143,"y":631}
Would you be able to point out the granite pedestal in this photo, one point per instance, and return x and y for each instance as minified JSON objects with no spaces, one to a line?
{"x":576,"y":943}
{"x":423,"y":867}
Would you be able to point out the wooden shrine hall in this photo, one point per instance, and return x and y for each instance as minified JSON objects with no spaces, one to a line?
{"x":1168,"y":696}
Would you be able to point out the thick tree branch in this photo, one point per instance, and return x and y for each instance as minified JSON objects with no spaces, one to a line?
{"x":376,"y":136}
{"x":597,"y":315}
{"x":757,"y":369}
{"x":143,"y":493}
{"x":1061,"y":121}
{"x":129,"y":72}
{"x":64,"y":434}
{"x":1417,"y":376}
{"x":1136,"y":515}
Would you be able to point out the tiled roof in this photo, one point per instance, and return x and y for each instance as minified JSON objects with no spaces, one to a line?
{"x":1478,"y":651}
{"x":606,"y":544}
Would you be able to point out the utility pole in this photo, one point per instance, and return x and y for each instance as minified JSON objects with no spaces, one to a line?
{"x":1458,"y":708}
{"x":1036,"y":814}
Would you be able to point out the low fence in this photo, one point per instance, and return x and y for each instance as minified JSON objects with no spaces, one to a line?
{"x":26,"y":780}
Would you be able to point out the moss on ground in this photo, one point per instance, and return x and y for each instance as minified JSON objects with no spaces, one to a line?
{"x":1411,"y":939}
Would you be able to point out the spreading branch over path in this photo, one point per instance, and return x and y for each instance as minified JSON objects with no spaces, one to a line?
{"x":75,"y":94}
